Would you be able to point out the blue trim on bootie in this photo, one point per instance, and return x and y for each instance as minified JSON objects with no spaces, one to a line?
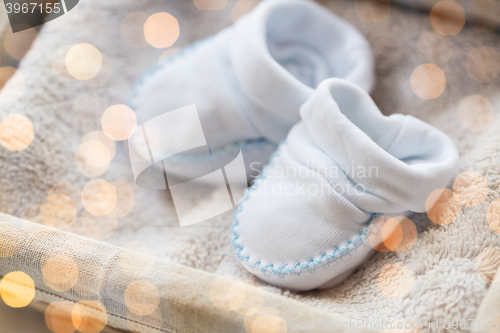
{"x":298,"y":268}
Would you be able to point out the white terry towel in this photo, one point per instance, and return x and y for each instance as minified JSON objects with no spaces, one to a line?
{"x":249,"y":81}
{"x":304,"y":224}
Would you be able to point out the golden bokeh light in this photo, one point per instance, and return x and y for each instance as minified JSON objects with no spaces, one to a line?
{"x":58,"y":211}
{"x":243,"y":7}
{"x":58,"y":206}
{"x":142,"y":298}
{"x":58,"y":64}
{"x":483,"y":64}
{"x":94,"y":155}
{"x":10,"y":239}
{"x":131,"y":29}
{"x":434,"y":48}
{"x":487,"y":263}
{"x":125,"y":199}
{"x":86,"y":169}
{"x":5,"y":74}
{"x":161,"y":30}
{"x":242,"y":296}
{"x":119,"y":122}
{"x":99,"y":197}
{"x":102,"y":138}
{"x":60,"y":272}
{"x":16,"y":132}
{"x":210,"y":4}
{"x":372,"y":11}
{"x":18,"y":44}
{"x":58,"y":317}
{"x":493,"y":215}
{"x":264,"y":320}
{"x":396,"y":280}
{"x":375,"y":235}
{"x":266,"y":324}
{"x":168,"y":53}
{"x":83,"y":61}
{"x":17,"y":289}
{"x":477,"y":20}
{"x":496,"y":319}
{"x":98,"y":227}
{"x":471,"y":188}
{"x":442,"y":206}
{"x":69,"y":189}
{"x":399,"y":234}
{"x":428,"y":81}
{"x":10,"y":198}
{"x":475,"y":113}
{"x":219,"y":291}
{"x":227,"y":293}
{"x":392,"y":234}
{"x":87,"y":109}
{"x":447,"y":17}
{"x":103,"y":76}
{"x":89,"y":316}
{"x":131,"y":254}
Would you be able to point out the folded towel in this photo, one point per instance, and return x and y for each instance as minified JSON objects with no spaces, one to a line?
{"x":249,"y":81}
{"x":305,"y":223}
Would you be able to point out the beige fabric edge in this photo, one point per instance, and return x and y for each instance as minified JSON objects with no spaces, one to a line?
{"x":489,"y":309}
{"x":145,"y":294}
{"x":41,"y":307}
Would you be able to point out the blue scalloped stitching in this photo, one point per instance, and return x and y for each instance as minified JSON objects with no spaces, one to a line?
{"x":298,"y":268}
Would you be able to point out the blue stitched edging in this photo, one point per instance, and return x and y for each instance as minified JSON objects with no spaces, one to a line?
{"x":160,"y":64}
{"x":298,"y":268}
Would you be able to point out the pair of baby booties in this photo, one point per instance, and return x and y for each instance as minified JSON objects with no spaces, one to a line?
{"x":292,"y":70}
